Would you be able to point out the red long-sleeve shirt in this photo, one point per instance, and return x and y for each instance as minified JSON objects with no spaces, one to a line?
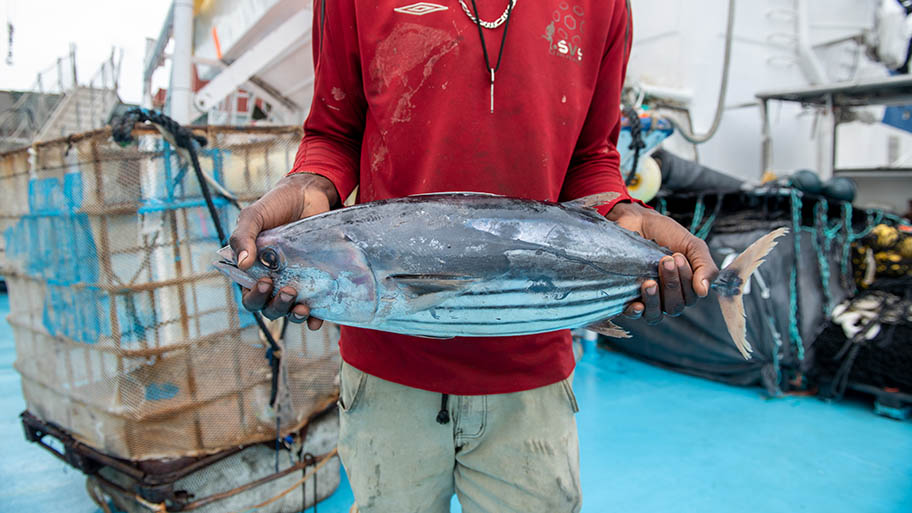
{"x":402,"y":106}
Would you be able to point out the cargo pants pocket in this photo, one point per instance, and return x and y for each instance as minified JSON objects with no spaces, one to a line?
{"x":351,"y":387}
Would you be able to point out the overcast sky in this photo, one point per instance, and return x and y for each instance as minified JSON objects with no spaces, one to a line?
{"x":44,"y":29}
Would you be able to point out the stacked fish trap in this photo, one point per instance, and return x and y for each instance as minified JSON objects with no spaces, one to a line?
{"x":126,"y":337}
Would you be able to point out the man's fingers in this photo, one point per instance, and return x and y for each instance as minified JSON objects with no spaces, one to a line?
{"x":255,"y":299}
{"x":281,"y":304}
{"x":704,"y":269}
{"x":299,"y":313}
{"x":314,"y":324}
{"x":652,"y":302}
{"x":243,"y":239}
{"x":634,"y":310}
{"x":672,"y":299}
{"x":686,"y":275}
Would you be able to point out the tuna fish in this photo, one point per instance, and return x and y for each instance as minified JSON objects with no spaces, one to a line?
{"x":471,"y":265}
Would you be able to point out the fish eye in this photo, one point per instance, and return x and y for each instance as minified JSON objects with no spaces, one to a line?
{"x":270,"y":259}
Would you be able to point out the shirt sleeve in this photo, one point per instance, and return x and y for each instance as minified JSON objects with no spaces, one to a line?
{"x":595,"y":164}
{"x":331,"y":146}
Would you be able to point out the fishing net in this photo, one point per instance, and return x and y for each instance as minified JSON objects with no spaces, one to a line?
{"x":869,"y":340}
{"x":125,"y":335}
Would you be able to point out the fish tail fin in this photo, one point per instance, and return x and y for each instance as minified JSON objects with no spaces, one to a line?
{"x":730,"y":286}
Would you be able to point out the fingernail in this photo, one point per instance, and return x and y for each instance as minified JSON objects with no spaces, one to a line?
{"x":638,"y":309}
{"x":705,"y":284}
{"x":669,"y":264}
{"x":680,"y":261}
{"x":651,"y":290}
{"x":263,"y":287}
{"x":242,"y":256}
{"x":286,"y":297}
{"x":298,"y":317}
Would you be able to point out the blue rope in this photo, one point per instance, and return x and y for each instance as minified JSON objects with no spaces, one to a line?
{"x":698,"y":215}
{"x":872,"y":219}
{"x":846,"y":242}
{"x":794,"y":332}
{"x":707,"y":226}
{"x":820,"y":228}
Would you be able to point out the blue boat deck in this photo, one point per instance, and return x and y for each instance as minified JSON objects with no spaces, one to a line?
{"x":651,"y":441}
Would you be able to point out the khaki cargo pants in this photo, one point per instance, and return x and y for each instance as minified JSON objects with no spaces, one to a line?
{"x":499,"y":453}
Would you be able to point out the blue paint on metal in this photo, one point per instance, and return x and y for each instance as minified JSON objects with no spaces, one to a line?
{"x":653,"y":134}
{"x":167,"y":152}
{"x":55,"y":243}
{"x":156,"y":205}
{"x":76,"y":313}
{"x":161,"y":391}
{"x":894,"y":412}
{"x":899,"y":117}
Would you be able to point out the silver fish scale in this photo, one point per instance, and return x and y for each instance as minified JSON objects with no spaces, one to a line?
{"x":462,"y":265}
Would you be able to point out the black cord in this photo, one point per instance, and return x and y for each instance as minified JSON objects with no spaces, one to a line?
{"x":636,"y":144}
{"x":122,"y":133}
{"x":503,"y":39}
{"x":309,"y":460}
{"x":443,"y":416}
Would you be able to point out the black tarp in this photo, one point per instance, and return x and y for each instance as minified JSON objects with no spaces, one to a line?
{"x":698,"y":343}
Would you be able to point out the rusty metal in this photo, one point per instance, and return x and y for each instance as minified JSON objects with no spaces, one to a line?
{"x":155,"y":478}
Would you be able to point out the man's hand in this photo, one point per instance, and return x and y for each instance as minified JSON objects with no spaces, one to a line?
{"x":293,"y":198}
{"x":683,"y":276}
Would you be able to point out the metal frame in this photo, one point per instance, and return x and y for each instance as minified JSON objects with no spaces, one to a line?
{"x":289,"y":37}
{"x":891,"y":91}
{"x":155,"y":478}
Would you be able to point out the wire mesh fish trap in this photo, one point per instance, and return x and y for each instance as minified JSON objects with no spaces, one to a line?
{"x":125,"y":335}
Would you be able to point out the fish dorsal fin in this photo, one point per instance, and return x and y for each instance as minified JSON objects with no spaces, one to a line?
{"x":609,"y":329}
{"x":592,"y":201}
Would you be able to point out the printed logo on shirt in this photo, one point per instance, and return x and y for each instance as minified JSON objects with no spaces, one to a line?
{"x":421,"y":8}
{"x":565,"y":32}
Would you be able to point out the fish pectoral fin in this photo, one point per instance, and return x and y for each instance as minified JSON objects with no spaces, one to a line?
{"x":425,"y":291}
{"x":609,"y":329}
{"x":422,"y":284}
{"x":593,"y":201}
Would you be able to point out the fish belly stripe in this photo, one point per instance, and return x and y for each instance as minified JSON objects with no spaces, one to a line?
{"x":613,"y":309}
{"x":523,"y":288}
{"x":513,"y":314}
{"x":488,"y":330}
{"x":607,"y":295}
{"x":523,"y":302}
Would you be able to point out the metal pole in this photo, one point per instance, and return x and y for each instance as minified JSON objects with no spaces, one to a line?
{"x":767,"y":138}
{"x":73,"y":64}
{"x":833,"y":113}
{"x":60,"y":75}
{"x":181,"y":82}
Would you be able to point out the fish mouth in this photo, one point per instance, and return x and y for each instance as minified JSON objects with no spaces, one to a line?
{"x":227,"y":265}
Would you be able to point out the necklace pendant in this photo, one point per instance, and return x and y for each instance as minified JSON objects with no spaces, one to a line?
{"x":492,"y":90}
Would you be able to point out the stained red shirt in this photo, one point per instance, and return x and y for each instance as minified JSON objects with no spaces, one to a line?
{"x":402,"y":106}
